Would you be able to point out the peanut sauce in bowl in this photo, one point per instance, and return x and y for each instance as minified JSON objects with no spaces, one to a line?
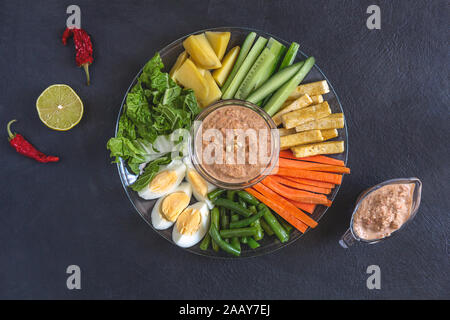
{"x":234,"y":144}
{"x":383,"y":210}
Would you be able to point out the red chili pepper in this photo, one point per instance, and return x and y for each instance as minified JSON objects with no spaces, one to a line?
{"x":22,"y":146}
{"x":83,"y":48}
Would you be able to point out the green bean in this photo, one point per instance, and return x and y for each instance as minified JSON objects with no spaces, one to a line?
{"x":252,"y":243}
{"x":260,"y":234}
{"x":242,"y":203}
{"x":277,"y":228}
{"x":247,"y":197}
{"x":235,"y":207}
{"x":267,"y":229}
{"x":215,"y":235}
{"x":204,"y":245}
{"x":235,"y":243}
{"x":235,"y":240}
{"x":285,"y":225}
{"x":239,"y":232}
{"x":215,"y":223}
{"x":246,"y":222}
{"x":234,"y":217}
{"x":230,"y":194}
{"x":213,"y":195}
{"x":224,"y":219}
{"x":256,"y":223}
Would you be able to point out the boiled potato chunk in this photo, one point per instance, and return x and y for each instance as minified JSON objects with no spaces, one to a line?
{"x":214,"y":91}
{"x":296,"y":139}
{"x":219,"y":42}
{"x":201,"y":52}
{"x":180,"y":60}
{"x":190,"y":77}
{"x":314,"y":149}
{"x":221,"y":74}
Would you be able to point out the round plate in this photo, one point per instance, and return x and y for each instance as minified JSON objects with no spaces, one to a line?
{"x":268,"y":244}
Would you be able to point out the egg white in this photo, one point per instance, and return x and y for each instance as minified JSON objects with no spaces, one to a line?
{"x":197,"y":195}
{"x":158,"y":220}
{"x":186,"y":241}
{"x":180,"y":170}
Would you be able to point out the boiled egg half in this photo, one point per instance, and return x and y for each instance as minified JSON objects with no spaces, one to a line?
{"x":165,"y":181}
{"x":167,"y":209}
{"x":192,"y":225}
{"x":200,"y":187}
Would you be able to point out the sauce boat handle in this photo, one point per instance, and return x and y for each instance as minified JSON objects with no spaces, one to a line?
{"x":347,"y":239}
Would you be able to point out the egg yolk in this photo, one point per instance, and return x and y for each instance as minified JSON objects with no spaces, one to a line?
{"x":198,"y":183}
{"x":188,"y":222}
{"x":173,"y":205}
{"x":163,"y":181}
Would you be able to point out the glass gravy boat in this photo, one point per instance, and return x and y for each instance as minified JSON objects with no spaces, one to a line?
{"x":350,"y":237}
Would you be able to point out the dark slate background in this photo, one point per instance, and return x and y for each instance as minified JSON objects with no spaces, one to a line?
{"x":393,"y":84}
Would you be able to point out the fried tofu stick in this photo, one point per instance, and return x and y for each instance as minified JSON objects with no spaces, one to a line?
{"x":298,"y":117}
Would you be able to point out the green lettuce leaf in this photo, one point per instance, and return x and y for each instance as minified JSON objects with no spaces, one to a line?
{"x":129,"y":150}
{"x":152,"y":68}
{"x":155,"y":106}
{"x":126,"y":129}
{"x":150,"y":171}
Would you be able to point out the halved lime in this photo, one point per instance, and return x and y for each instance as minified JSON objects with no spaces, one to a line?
{"x":59,"y":107}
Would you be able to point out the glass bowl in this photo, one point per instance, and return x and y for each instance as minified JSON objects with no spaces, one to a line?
{"x":350,"y":236}
{"x":197,"y":162}
{"x":143,"y":207}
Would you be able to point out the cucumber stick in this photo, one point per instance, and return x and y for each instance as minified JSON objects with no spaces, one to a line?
{"x":248,"y":84}
{"x":288,"y":60}
{"x":286,"y":89}
{"x":281,"y":49}
{"x":262,"y":69}
{"x":246,"y":46}
{"x":244,"y":68}
{"x":274,"y":82}
{"x":290,"y":56}
{"x":278,"y":50}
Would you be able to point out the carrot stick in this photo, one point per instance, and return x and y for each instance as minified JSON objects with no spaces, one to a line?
{"x":288,"y":163}
{"x":312,"y":175}
{"x":308,"y":182}
{"x":308,"y":207}
{"x":300,"y":186}
{"x":285,"y":206}
{"x":293,"y":194}
{"x":272,"y":204}
{"x":287,"y":154}
{"x":319,"y":158}
{"x":324,"y":159}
